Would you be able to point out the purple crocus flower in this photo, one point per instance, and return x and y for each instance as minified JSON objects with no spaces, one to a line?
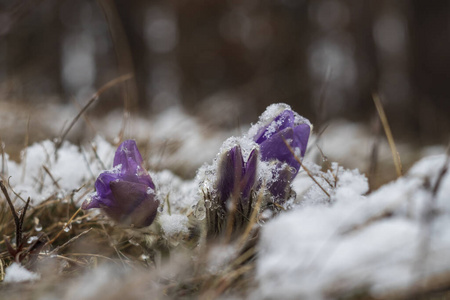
{"x":281,"y":126}
{"x":126,"y":193}
{"x":233,"y":184}
{"x":272,"y":138}
{"x":236,"y":178}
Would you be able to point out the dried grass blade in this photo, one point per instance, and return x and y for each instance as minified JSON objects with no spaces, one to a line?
{"x":89,"y":103}
{"x":389,"y":136}
{"x":305,"y":168}
{"x":67,"y":224}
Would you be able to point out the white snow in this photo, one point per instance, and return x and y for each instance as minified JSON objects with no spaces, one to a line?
{"x":174,"y":224}
{"x":70,"y":168}
{"x":95,"y":284}
{"x":351,"y":145}
{"x":220,"y":257}
{"x":179,"y":142}
{"x":17,"y":273}
{"x":380,"y":243}
{"x":181,"y":194}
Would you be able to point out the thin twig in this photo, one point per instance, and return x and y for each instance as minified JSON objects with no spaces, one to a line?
{"x":89,"y":103}
{"x":64,"y":227}
{"x":14,"y":192}
{"x":305,"y":168}
{"x":124,"y":56}
{"x":91,"y":255}
{"x":51,"y":177}
{"x":319,"y":135}
{"x":443,"y":171}
{"x":85,"y":117}
{"x":390,"y":137}
{"x":75,"y":261}
{"x":112,"y":244}
{"x":22,"y":219}
{"x":69,"y":241}
{"x":13,"y":211}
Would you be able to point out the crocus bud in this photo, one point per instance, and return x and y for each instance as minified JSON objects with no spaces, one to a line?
{"x":282,"y":136}
{"x":229,"y":200}
{"x":126,"y":193}
{"x":285,"y":127}
{"x":280,"y":187}
{"x":236,"y":178}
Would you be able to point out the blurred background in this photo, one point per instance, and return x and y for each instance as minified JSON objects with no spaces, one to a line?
{"x":225,"y":61}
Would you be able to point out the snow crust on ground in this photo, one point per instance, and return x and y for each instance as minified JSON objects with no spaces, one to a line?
{"x":17,"y":273}
{"x":381,"y":243}
{"x":70,"y":166}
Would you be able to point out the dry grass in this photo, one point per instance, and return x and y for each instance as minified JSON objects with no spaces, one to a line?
{"x":67,"y":245}
{"x":74,"y":242}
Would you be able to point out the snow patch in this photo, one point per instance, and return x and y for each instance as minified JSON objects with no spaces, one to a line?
{"x":17,"y":273}
{"x":373,"y":243}
{"x":174,"y":224}
{"x":70,"y":168}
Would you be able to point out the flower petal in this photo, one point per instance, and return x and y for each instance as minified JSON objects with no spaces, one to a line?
{"x":130,"y":159}
{"x":102,"y":183}
{"x":281,"y":186}
{"x":248,"y":181}
{"x":230,"y":172}
{"x":275,"y":148}
{"x":301,"y":136}
{"x":279,"y":123}
{"x":128,"y":156}
{"x":93,"y":201}
{"x":141,"y":176}
{"x":134,"y":204}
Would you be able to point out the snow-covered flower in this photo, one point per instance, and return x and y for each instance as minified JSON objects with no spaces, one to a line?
{"x":258,"y":167}
{"x":284,"y":127}
{"x":126,"y":193}
{"x":279,"y":127}
{"x":236,"y":178}
{"x":230,"y":193}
